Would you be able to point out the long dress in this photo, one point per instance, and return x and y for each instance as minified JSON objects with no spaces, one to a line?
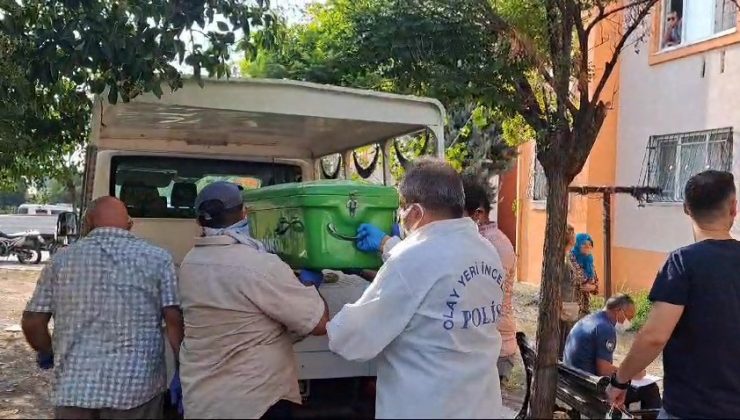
{"x":578,"y":279}
{"x":569,"y":292}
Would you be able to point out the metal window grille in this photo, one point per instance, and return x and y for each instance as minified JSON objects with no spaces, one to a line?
{"x":674,"y":158}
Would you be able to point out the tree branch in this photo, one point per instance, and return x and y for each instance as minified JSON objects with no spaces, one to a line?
{"x":604,"y":14}
{"x":530,"y":109}
{"x":609,"y":67}
{"x":583,"y":48}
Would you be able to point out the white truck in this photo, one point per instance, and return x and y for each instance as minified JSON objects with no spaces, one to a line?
{"x":155,"y":154}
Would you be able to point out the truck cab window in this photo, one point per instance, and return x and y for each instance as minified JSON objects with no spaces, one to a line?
{"x":154,"y":187}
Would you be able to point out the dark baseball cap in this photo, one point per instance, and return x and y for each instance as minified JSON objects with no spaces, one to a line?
{"x":226,"y":193}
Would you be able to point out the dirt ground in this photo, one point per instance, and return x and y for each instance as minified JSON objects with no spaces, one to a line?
{"x":24,"y":389}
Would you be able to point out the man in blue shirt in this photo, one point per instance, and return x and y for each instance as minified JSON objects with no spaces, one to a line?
{"x":696,"y":307}
{"x":591,"y":343}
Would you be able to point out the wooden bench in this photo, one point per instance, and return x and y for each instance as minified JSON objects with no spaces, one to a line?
{"x":584,"y":394}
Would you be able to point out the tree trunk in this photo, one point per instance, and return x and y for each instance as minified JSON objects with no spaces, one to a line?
{"x":548,"y":323}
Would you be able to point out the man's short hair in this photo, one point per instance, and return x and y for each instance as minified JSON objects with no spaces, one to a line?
{"x":476,"y":195}
{"x":619,"y":301}
{"x":435,"y":185}
{"x":707,"y":194}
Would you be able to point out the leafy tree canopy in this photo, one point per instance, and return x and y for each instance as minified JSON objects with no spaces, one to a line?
{"x":429,"y":48}
{"x":57,"y":53}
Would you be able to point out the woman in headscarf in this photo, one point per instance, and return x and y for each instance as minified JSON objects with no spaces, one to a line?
{"x":584,"y":272}
{"x":570,"y":292}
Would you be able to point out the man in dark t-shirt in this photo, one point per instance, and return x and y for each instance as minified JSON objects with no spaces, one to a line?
{"x":695,"y":313}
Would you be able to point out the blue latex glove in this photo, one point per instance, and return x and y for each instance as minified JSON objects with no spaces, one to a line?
{"x":369,"y":238}
{"x":396,"y":230}
{"x":311,"y":278}
{"x":45,"y":360}
{"x":176,"y":392}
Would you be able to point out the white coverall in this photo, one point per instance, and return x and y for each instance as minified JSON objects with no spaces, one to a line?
{"x":430,"y":318}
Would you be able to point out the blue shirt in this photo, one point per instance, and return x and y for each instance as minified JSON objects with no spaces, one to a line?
{"x":593,"y":337}
{"x":702,"y":358}
{"x":106,"y":293}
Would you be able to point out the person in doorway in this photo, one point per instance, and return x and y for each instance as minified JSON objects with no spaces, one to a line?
{"x":584,"y":271}
{"x":431,"y":314}
{"x":570,"y":291}
{"x":591,"y":343}
{"x":695,"y":308}
{"x":108,"y":294}
{"x":243,"y":310}
{"x":478,"y":208}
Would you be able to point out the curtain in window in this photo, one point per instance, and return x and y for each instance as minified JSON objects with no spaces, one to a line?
{"x":725,"y":15}
{"x":698,"y":19}
{"x":666,"y":170}
{"x":539,"y":182}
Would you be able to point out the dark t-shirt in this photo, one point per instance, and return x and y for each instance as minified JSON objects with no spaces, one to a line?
{"x":593,"y":337}
{"x":702,"y":357}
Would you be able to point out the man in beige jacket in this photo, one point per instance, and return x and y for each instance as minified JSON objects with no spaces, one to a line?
{"x":243,"y":307}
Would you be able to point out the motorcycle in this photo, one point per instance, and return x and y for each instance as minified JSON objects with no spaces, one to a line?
{"x":26,"y":246}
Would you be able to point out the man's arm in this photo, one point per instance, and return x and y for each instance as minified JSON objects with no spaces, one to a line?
{"x":276,"y":291}
{"x":651,"y":339}
{"x":170,"y":303}
{"x":361,"y":330}
{"x":36,"y":317}
{"x":605,"y":368}
{"x":175,"y":327}
{"x":320,"y":328}
{"x":670,"y":294}
{"x":36,"y":330}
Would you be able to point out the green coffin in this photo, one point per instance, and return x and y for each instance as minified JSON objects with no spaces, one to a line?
{"x":313,"y":224}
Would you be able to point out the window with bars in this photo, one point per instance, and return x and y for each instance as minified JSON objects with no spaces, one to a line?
{"x":674,"y":158}
{"x":539,"y":182}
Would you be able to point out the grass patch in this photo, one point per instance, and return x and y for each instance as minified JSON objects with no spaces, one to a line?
{"x":642,"y":307}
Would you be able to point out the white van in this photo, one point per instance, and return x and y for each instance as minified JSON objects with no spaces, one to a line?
{"x":43,"y":209}
{"x":156,"y":155}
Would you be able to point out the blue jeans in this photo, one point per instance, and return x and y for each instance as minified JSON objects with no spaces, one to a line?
{"x":665,"y":415}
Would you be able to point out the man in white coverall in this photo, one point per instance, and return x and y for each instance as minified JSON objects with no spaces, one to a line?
{"x":430,"y":315}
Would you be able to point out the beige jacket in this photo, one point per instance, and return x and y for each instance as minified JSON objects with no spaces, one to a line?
{"x":507,"y":323}
{"x":241,"y":308}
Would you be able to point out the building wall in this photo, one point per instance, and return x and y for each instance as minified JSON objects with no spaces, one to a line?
{"x":692,"y":88}
{"x":688,"y":93}
{"x":507,"y":194}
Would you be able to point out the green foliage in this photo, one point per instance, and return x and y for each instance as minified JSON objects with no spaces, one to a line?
{"x":59,"y":190}
{"x":12,"y":197}
{"x":55,"y":54}
{"x":422,"y":47}
{"x":642,"y":307}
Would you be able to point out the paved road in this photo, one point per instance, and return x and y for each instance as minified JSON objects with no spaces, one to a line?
{"x":11,"y":223}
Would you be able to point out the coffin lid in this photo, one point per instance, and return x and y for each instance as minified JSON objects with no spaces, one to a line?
{"x":324,"y":187}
